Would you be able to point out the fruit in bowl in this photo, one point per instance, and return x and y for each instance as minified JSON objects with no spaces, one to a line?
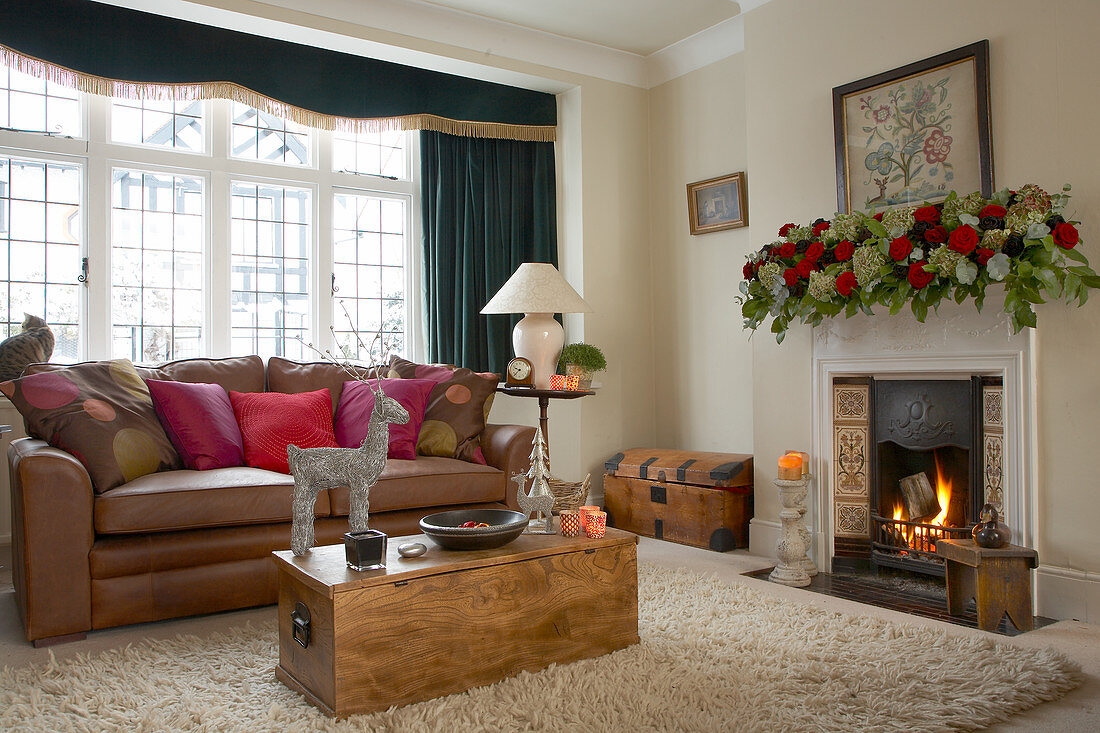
{"x":473,"y":529}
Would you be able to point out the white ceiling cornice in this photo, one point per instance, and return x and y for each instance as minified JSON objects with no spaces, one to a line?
{"x":490,"y":38}
{"x":694,"y":52}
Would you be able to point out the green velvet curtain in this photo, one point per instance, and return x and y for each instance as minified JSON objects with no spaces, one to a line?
{"x":487,"y":207}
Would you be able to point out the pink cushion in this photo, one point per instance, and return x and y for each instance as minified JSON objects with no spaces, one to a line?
{"x":200,"y":423}
{"x":357,"y":402}
{"x":270,"y":421}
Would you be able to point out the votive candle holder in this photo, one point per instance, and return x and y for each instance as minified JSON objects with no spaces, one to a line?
{"x":584,"y":511}
{"x":570,"y":523}
{"x":595,"y":525}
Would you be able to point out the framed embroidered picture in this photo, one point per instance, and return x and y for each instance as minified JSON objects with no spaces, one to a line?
{"x":717,"y":203}
{"x":906,"y":137}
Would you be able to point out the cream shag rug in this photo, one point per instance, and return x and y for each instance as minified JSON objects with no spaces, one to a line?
{"x":712,"y":657}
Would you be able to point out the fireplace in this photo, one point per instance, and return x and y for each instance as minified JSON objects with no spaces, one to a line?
{"x":921,"y":456}
{"x":926,"y":467}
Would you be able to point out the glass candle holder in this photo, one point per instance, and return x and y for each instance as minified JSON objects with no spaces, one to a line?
{"x":570,"y":523}
{"x":595,"y":524}
{"x":584,"y":512}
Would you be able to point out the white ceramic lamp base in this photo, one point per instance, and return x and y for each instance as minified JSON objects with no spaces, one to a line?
{"x":539,"y":338}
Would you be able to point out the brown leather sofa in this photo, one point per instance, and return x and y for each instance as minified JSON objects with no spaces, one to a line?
{"x":179,"y":543}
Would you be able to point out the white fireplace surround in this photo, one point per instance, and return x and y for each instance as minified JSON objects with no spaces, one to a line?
{"x":955,"y":343}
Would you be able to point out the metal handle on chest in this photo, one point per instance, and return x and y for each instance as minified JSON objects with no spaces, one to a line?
{"x":299,"y":620}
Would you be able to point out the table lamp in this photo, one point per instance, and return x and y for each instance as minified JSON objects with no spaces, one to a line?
{"x":539,"y":291}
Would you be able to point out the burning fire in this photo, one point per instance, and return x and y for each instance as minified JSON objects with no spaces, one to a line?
{"x":920,"y":538}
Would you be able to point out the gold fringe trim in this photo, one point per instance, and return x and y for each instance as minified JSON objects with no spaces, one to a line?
{"x":115,"y":88}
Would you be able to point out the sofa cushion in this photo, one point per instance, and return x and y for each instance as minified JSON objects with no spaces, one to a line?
{"x":271,"y":421}
{"x":100,"y":412}
{"x":175,"y":500}
{"x":357,"y":403}
{"x":427,"y":482}
{"x":200,"y":423}
{"x":457,"y":408}
{"x":238,"y":373}
{"x":292,"y":377}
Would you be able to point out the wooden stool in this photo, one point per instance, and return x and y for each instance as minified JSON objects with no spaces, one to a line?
{"x":1000,"y":581}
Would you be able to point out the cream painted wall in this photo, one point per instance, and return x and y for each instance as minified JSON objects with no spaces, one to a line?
{"x":703,"y":358}
{"x":1042,"y":57}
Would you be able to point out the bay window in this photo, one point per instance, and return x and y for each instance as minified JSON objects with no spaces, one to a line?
{"x":159,"y":230}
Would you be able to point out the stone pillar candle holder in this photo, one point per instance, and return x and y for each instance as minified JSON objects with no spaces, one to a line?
{"x":792,"y":546}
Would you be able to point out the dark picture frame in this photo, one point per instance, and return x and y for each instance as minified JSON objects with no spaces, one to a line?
{"x":718,"y":203}
{"x":925,"y":126}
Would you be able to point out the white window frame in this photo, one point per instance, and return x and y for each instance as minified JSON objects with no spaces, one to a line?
{"x":99,"y":155}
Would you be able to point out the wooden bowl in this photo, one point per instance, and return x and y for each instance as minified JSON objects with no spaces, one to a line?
{"x":443,"y":528}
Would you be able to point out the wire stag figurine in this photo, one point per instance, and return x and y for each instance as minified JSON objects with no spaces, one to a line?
{"x":316,"y":469}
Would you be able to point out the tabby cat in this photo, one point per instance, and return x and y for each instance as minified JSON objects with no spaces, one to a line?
{"x":32,"y":346}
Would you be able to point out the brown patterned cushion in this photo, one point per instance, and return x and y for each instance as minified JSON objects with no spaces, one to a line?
{"x":457,"y":408}
{"x":100,"y":412}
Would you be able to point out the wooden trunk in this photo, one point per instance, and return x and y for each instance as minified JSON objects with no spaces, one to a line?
{"x":449,"y":621}
{"x":694,"y":498}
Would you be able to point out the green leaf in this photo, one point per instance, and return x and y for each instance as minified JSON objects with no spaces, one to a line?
{"x":1049,"y":279}
{"x":1075,"y":256}
{"x":1026,"y":317}
{"x":1024,"y":269}
{"x":920,"y":309}
{"x":875,"y":227}
{"x":851,"y":309}
{"x":961,"y":294}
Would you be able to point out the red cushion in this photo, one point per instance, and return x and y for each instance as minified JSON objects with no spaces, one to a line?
{"x":200,"y":423}
{"x":357,"y":403}
{"x":270,"y":421}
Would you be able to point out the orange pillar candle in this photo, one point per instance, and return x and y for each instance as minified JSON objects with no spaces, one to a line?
{"x":584,"y":511}
{"x":790,"y":467}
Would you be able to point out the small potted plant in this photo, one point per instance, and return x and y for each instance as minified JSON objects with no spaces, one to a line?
{"x":582,"y":360}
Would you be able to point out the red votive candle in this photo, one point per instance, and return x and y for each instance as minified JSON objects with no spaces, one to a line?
{"x":595,"y":524}
{"x":570,"y":523}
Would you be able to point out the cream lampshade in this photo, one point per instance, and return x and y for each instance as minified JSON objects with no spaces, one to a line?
{"x":539,"y":291}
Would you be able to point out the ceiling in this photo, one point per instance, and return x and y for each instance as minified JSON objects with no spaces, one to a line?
{"x":635,"y":26}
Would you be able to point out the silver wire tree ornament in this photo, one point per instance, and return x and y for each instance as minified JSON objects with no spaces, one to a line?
{"x":540,"y":500}
{"x":316,"y":469}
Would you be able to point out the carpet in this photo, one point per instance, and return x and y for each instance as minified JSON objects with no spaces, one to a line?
{"x":712,"y":657}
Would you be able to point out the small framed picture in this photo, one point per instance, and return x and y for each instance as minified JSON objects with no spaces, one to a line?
{"x":717,"y":204}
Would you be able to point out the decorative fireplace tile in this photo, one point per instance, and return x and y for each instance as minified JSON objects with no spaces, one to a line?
{"x":852,"y":520}
{"x":993,"y":446}
{"x":993,"y":412}
{"x":850,"y":403}
{"x":851,"y":448}
{"x":994,"y":459}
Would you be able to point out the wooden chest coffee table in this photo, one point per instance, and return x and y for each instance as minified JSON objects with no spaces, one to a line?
{"x":450,"y":621}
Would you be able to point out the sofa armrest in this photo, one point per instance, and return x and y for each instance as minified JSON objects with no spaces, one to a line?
{"x":52,"y":535}
{"x":508,"y":447}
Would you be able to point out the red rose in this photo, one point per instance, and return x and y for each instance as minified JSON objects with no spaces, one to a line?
{"x":819,"y":228}
{"x":814,"y":251}
{"x":844,"y":251}
{"x":805,"y":266}
{"x":1066,"y":235}
{"x":997,"y":212}
{"x":963,"y":240}
{"x":927,"y":213}
{"x":918,"y":276}
{"x":900,"y":248}
{"x":786,"y":229}
{"x":787,"y":250}
{"x":983,"y":254}
{"x":877,"y":217}
{"x":936,"y":235}
{"x":790,"y":275}
{"x":748,"y":271}
{"x":845,"y":283}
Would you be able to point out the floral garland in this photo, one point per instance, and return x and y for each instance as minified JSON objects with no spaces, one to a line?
{"x":954,"y":249}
